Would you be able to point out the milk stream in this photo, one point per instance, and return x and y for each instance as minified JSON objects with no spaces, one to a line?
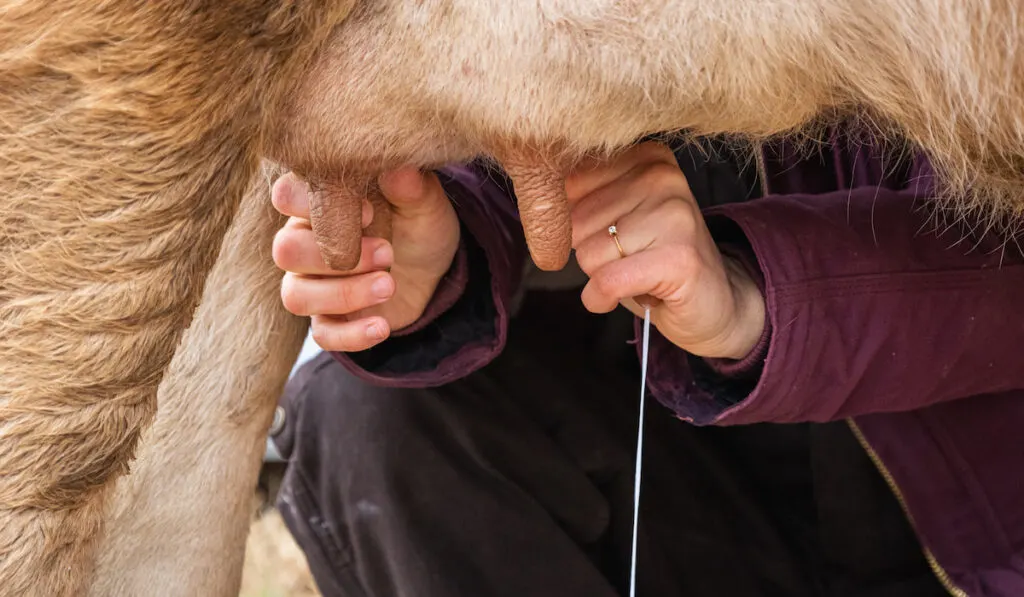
{"x":639,"y":447}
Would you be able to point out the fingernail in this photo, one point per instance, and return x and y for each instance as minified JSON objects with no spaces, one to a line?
{"x":375,"y":331}
{"x":382,"y":256}
{"x":382,"y":287}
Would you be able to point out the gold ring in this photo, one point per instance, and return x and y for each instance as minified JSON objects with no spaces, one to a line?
{"x":613,"y":231}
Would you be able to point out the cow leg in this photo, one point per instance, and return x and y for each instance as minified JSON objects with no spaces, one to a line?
{"x":179,"y":521}
{"x":129,"y":131}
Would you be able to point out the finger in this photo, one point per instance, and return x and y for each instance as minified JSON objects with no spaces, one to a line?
{"x":368,"y":214}
{"x":646,"y":183}
{"x":670,"y":221}
{"x":543,"y":210}
{"x":593,"y":173}
{"x":380,"y":222}
{"x":306,"y":296}
{"x":295,"y":250}
{"x":298,"y":224}
{"x":340,"y":335}
{"x":663,"y":273}
{"x":290,"y":196}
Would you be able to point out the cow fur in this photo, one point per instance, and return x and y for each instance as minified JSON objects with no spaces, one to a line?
{"x":538,"y":86}
{"x":130,"y":129}
{"x":177,"y":524}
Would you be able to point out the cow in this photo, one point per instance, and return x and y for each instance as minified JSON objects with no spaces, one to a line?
{"x":131,"y":130}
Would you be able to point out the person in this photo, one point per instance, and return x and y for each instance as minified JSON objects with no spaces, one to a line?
{"x":842,"y":367}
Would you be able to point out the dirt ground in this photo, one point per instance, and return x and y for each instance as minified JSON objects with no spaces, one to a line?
{"x":274,"y":564}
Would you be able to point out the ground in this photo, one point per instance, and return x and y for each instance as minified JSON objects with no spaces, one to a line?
{"x":274,"y":564}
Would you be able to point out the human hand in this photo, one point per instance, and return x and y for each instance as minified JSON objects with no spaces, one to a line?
{"x":393,"y":282}
{"x":702,"y":302}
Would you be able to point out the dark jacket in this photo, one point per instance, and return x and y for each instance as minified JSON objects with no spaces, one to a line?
{"x":881,"y":313}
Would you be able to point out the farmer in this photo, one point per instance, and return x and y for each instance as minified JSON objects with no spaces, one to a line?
{"x":835,"y":355}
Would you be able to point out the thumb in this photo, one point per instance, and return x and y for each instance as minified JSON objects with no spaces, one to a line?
{"x":411,"y":192}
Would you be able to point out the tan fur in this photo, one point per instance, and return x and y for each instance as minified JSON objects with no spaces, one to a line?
{"x":178,"y":523}
{"x":548,"y":81}
{"x":130,"y":129}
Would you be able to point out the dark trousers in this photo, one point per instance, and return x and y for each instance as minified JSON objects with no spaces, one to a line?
{"x":518,"y":481}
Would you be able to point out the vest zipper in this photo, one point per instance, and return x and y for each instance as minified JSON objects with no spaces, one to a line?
{"x":940,"y":573}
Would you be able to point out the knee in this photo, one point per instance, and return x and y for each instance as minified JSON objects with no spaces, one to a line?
{"x":330,"y":414}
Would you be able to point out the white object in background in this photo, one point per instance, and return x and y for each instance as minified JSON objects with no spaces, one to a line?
{"x":309,"y":350}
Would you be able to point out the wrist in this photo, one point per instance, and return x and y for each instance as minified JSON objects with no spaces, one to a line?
{"x":751,"y":313}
